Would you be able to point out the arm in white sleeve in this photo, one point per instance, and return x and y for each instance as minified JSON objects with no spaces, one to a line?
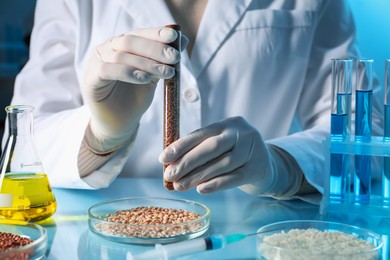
{"x":49,"y":82}
{"x":93,"y":154}
{"x":287,"y":178}
{"x":334,"y":38}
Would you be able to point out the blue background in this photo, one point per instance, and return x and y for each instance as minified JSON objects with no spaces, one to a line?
{"x":372,"y":19}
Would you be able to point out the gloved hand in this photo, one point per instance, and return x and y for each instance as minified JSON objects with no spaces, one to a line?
{"x":120,"y":80}
{"x":220,"y":156}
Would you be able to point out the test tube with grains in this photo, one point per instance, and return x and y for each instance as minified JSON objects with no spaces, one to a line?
{"x":172,"y":102}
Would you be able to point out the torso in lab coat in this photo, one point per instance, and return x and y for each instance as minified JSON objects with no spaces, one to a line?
{"x":267,"y":61}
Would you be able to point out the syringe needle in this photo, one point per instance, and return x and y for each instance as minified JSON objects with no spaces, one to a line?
{"x":190,"y":246}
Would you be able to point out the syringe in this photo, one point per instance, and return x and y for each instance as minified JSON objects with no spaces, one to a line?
{"x":164,"y":252}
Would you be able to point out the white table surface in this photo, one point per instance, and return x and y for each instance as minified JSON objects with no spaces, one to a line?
{"x":232,"y":211}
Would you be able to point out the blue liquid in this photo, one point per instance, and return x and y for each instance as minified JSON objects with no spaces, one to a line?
{"x":338,"y":126}
{"x":363,"y":120}
{"x":339,"y":163}
{"x":386,"y":160}
{"x":362,"y":179}
{"x":339,"y":171}
{"x":343,"y":108}
{"x":363,"y":126}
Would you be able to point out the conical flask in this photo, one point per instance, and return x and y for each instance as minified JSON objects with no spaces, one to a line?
{"x":25,"y":192}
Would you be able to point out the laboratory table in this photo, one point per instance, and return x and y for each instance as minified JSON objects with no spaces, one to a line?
{"x":232,"y":211}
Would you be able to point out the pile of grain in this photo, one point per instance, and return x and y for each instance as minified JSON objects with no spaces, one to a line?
{"x":315,"y":244}
{"x":149,"y":222}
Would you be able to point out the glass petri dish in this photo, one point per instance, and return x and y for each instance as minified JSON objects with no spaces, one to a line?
{"x":34,"y":250}
{"x":148,"y":233}
{"x":308,"y":239}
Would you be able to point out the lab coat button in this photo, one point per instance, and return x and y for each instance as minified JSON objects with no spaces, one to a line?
{"x":191,"y":95}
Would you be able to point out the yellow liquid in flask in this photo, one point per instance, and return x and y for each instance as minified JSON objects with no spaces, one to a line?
{"x":32,"y":197}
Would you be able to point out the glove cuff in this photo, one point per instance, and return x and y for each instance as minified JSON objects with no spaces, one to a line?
{"x":101,"y":144}
{"x":288,"y":177}
{"x":89,"y":161}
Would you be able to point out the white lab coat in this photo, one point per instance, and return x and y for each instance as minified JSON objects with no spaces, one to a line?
{"x":268,"y":61}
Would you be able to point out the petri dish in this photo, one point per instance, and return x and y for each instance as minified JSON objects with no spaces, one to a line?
{"x":310,"y":239}
{"x":34,"y":250}
{"x":99,"y":223}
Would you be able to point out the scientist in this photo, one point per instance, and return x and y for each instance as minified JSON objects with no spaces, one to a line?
{"x":255,"y":91}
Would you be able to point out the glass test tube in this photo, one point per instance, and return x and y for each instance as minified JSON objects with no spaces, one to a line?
{"x":363,"y":128}
{"x":172,"y":103}
{"x":340,"y":127}
{"x":386,"y":160}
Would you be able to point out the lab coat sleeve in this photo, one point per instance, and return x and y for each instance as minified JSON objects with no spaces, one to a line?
{"x":334,"y":38}
{"x":50,"y":83}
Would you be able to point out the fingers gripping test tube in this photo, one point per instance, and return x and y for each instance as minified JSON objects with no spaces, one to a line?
{"x":172,"y":102}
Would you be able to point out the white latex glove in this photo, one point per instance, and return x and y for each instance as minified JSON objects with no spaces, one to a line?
{"x":120,"y":80}
{"x":220,"y":156}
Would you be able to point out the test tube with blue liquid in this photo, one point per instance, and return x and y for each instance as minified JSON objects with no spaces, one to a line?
{"x":340,"y":129}
{"x":363,"y":129}
{"x":386,"y":160}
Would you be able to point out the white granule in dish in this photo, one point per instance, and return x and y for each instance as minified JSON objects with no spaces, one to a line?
{"x":315,"y":244}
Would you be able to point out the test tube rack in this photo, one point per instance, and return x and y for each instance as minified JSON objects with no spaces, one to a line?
{"x":378,"y":148}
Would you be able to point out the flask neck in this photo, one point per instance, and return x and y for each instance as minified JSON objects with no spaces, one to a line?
{"x":20,"y":154}
{"x":20,"y":120}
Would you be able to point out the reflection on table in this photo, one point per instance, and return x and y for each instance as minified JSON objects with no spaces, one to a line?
{"x":232,"y":211}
